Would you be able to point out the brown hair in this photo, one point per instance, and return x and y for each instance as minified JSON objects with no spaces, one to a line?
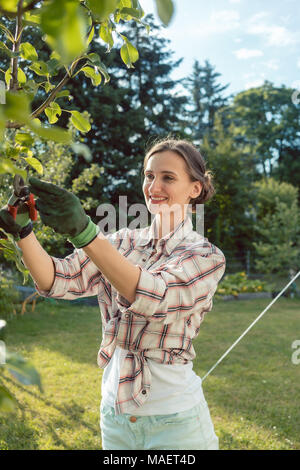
{"x":195,"y":163}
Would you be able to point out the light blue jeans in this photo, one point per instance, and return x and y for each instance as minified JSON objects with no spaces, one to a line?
{"x":187,"y":430}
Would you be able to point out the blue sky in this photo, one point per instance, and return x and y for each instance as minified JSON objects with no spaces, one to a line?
{"x":246,"y":41}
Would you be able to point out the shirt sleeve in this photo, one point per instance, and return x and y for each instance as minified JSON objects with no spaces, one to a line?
{"x":77,"y":276}
{"x":178,"y":289}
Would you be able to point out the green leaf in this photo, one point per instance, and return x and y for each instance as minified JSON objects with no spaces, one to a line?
{"x":28,"y":52}
{"x":165,"y":10}
{"x":91,"y":35}
{"x":17,"y":107}
{"x":65,"y":27}
{"x":51,"y":133}
{"x":7,"y":166}
{"x":40,"y":68}
{"x":7,"y":51}
{"x":53,"y":111}
{"x":101,"y":9}
{"x":93,"y":74}
{"x":24,"y":139}
{"x":22,"y":370}
{"x":62,"y":94}
{"x":20,"y":76}
{"x":31,"y":19}
{"x":129,"y":13}
{"x":94,"y":59}
{"x":105,"y":34}
{"x":80,"y":122}
{"x":104,"y":72}
{"x":7,"y":400}
{"x":31,"y":87}
{"x":55,"y":55}
{"x":53,"y":66}
{"x":48,"y":87}
{"x":36,"y":164}
{"x":124,"y":4}
{"x":9,"y":5}
{"x":129,"y":53}
{"x":12,"y":252}
{"x":137,"y":6}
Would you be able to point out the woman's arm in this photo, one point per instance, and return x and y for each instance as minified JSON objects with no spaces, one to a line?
{"x":84,"y":234}
{"x":37,"y":260}
{"x":120,"y":272}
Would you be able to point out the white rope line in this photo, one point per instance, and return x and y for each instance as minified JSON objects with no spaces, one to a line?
{"x":249,"y":327}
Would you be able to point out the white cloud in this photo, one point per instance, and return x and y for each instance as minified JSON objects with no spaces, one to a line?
{"x":275,"y":35}
{"x":247,"y":53}
{"x":298,"y":64}
{"x":229,"y":19}
{"x":219,"y":22}
{"x":258,"y":16}
{"x":254,"y":83}
{"x":272,"y":64}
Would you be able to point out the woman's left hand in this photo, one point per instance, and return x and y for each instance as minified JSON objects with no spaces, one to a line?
{"x":59,"y":208}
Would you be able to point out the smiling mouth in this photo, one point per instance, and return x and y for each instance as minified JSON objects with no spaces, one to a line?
{"x":158,"y":200}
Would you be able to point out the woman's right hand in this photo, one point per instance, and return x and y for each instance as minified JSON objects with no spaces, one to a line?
{"x":15,"y":227}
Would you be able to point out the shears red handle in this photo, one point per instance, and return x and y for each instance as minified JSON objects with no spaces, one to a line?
{"x":22,"y":195}
{"x":13,"y":210}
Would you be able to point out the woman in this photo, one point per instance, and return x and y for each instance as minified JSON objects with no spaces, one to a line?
{"x":154,"y":286}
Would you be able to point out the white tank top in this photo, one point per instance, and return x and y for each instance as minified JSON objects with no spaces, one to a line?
{"x":174,"y":388}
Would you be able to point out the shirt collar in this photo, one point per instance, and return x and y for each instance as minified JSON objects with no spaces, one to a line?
{"x":171,"y":240}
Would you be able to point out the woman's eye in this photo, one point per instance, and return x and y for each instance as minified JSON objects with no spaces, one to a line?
{"x":169,"y":178}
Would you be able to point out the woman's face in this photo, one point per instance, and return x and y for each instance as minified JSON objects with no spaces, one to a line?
{"x":167,"y":184}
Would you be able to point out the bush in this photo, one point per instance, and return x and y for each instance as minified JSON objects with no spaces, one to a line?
{"x":8,"y":296}
{"x":238,"y":283}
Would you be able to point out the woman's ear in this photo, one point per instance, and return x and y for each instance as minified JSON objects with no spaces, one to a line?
{"x":196,"y":191}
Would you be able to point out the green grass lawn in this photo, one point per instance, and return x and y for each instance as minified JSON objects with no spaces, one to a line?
{"x":253,"y":395}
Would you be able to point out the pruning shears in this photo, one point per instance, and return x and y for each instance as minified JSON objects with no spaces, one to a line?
{"x":20,"y":196}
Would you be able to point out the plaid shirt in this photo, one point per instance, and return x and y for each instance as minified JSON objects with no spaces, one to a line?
{"x":178,"y":279}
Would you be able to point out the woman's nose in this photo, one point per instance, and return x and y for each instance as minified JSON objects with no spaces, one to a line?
{"x":155,"y":185}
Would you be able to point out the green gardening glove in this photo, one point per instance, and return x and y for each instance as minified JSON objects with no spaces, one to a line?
{"x":62,"y":210}
{"x":19,"y":227}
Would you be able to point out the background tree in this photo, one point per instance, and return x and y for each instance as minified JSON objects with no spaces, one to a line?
{"x":206,"y":99}
{"x":228,"y":217}
{"x":277,"y":222}
{"x":135,"y":107}
{"x":268,"y":122}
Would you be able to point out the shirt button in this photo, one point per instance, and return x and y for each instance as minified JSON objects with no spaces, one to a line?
{"x":144,"y":392}
{"x":132,"y":419}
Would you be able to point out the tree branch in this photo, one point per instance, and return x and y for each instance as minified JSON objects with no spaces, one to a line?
{"x":16,"y":46}
{"x":61,"y":84}
{"x":49,"y":99}
{"x":12,"y":14}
